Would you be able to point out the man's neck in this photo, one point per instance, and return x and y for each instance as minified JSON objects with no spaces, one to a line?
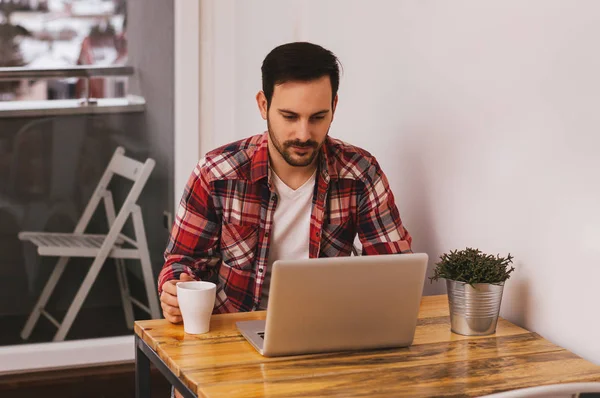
{"x":292,"y":176}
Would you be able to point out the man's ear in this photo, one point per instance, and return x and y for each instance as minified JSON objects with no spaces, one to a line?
{"x":261,"y":101}
{"x":334,"y":105}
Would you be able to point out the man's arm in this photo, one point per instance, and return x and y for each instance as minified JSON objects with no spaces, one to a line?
{"x":193,"y":244}
{"x":380,"y":228}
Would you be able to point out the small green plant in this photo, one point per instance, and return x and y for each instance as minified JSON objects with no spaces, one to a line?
{"x":472,"y":266}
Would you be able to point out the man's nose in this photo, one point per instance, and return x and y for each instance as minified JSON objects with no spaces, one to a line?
{"x":303,"y":131}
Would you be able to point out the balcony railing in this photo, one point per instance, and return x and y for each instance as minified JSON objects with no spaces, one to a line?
{"x":60,"y":73}
{"x":85,"y":104}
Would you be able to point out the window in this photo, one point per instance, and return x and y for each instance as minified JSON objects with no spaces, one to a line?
{"x":54,"y":148}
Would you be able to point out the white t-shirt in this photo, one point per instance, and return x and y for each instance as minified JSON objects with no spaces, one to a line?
{"x":291,"y":227}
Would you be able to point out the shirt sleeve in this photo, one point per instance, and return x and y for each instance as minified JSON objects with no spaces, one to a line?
{"x":380,"y":228}
{"x":194,"y":240}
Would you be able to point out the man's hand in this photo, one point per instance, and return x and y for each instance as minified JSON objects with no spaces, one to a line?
{"x":168,"y":299}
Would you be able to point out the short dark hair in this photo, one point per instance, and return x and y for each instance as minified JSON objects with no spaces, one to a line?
{"x":299,"y":61}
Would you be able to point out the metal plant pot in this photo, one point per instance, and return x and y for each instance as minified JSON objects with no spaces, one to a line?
{"x":474,"y":309}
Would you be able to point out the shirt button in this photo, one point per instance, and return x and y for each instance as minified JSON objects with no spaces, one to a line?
{"x":322,"y":196}
{"x":260,"y":270}
{"x":266,"y":234}
{"x":318,"y":234}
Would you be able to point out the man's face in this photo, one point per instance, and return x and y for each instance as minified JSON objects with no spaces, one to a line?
{"x":298,"y":119}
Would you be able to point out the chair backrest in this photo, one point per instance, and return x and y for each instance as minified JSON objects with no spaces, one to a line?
{"x":124,"y":166}
{"x":566,"y":390}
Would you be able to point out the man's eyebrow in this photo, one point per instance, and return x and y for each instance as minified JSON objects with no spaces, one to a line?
{"x":321,"y":112}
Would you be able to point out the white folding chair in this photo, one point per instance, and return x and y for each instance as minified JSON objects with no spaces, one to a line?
{"x":100,"y":247}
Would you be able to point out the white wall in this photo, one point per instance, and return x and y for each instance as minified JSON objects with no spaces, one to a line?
{"x":187,"y":52}
{"x":482,"y":114}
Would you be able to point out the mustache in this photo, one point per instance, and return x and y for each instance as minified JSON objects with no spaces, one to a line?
{"x":300,"y":144}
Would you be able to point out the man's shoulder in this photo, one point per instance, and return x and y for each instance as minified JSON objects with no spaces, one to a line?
{"x":230,"y":161}
{"x":351,"y":161}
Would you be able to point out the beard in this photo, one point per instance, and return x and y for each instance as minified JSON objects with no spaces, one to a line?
{"x":285,"y":149}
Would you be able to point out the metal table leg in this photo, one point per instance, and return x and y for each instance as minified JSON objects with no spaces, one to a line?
{"x":144,"y":355}
{"x":142,"y":372}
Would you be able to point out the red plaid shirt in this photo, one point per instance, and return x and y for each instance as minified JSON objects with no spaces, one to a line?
{"x":222,"y":227}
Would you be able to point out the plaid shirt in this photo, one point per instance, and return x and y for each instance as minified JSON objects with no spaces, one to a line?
{"x":222,"y":227}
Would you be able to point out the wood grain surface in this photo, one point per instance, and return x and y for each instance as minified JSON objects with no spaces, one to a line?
{"x":222,"y":363}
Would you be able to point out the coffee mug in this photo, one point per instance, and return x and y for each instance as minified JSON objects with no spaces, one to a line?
{"x":196,"y":302}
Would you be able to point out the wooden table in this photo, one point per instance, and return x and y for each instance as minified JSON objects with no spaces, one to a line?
{"x":439,"y":363}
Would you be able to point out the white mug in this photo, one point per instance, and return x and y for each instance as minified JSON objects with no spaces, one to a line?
{"x":196,"y":302}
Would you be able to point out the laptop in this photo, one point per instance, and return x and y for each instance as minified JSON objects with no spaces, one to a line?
{"x":339,"y":304}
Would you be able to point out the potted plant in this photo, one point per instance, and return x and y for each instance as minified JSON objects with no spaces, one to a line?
{"x":475,"y":283}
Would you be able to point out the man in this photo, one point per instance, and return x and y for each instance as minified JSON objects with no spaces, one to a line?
{"x":292,"y":192}
{"x":289,"y":193}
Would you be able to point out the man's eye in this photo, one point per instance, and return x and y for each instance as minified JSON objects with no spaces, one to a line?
{"x":289,"y":117}
{"x":320,"y":117}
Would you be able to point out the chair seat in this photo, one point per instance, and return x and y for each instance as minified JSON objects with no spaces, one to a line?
{"x":74,"y":245}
